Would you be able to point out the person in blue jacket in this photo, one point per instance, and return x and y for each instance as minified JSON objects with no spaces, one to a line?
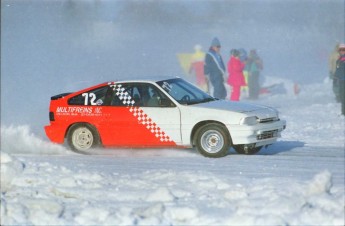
{"x":214,"y":68}
{"x":254,"y":66}
{"x":340,"y":76}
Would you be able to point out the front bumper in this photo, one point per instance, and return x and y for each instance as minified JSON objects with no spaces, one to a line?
{"x":261,"y":134}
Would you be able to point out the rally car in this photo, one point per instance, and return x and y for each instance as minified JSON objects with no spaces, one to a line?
{"x":167,"y":112}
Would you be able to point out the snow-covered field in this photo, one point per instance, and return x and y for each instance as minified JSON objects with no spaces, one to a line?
{"x":297,"y":181}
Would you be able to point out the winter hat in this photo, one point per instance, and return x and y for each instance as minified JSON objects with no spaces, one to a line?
{"x":235,"y":52}
{"x":341,"y":46}
{"x":215,"y":42}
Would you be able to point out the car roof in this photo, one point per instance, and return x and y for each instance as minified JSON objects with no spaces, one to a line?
{"x":151,"y":79}
{"x":145,"y":79}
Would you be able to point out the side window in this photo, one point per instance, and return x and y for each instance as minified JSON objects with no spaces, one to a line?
{"x":129,"y":92}
{"x":140,"y":95}
{"x":157,"y":98}
{"x":135,"y":94}
{"x":100,"y":96}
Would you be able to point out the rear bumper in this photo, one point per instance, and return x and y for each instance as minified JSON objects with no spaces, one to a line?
{"x":55,"y":133}
{"x":261,"y":134}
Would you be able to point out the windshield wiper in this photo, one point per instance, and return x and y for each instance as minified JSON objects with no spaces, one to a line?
{"x":209,"y":99}
{"x":201,"y":101}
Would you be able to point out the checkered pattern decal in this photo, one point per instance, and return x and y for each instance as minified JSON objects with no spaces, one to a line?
{"x":139,"y":113}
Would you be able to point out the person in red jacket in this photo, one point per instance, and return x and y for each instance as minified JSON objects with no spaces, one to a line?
{"x":236,"y":78}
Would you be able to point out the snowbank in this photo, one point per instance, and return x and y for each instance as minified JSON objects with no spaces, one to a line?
{"x":11,"y":167}
{"x":77,"y":196}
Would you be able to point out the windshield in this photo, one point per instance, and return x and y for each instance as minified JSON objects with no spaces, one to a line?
{"x":184,"y":92}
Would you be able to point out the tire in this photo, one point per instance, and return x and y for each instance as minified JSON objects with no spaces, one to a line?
{"x":82,"y":137}
{"x":213,"y":140}
{"x":249,"y":151}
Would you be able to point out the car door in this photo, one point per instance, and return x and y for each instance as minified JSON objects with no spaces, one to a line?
{"x":162,"y":112}
{"x":132,"y":121}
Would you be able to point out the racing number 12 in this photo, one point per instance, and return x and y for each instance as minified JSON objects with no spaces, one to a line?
{"x":92,"y":97}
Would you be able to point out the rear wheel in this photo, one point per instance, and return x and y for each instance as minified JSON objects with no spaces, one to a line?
{"x":82,"y":137}
{"x":212,"y":140}
{"x":241,"y":149}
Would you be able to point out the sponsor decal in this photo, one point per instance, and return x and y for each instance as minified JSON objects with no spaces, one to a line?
{"x":80,"y":111}
{"x":92,"y":98}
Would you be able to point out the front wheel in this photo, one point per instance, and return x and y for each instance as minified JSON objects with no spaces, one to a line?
{"x":212,"y":140}
{"x":241,"y":149}
{"x":82,"y":137}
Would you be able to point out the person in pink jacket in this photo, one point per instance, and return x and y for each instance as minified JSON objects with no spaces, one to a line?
{"x":236,"y":78}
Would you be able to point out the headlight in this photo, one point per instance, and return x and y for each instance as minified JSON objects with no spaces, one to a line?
{"x":252,"y":120}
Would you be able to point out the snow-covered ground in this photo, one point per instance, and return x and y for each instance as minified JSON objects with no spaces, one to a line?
{"x":297,"y":181}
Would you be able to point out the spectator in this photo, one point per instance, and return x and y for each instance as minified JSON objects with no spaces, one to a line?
{"x":197,"y":68}
{"x":243,"y":58}
{"x":236,"y":78}
{"x":214,"y":68}
{"x":255,"y":65}
{"x":340,"y":76}
{"x":332,"y":67}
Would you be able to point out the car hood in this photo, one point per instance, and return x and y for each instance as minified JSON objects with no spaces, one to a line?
{"x":231,"y":106}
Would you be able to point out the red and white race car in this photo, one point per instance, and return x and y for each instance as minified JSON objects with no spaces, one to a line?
{"x":159,"y":113}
